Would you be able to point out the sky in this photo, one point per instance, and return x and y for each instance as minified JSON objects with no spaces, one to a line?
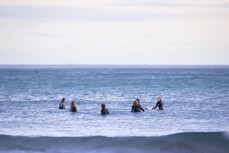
{"x":114,"y":32}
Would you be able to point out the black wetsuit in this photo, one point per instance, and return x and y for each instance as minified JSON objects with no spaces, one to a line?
{"x":159,"y":104}
{"x":137,"y":108}
{"x":104,"y":111}
{"x":61,"y":106}
{"x":73,"y":109}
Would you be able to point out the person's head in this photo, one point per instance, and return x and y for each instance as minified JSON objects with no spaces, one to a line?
{"x":138,"y":101}
{"x":63,"y":100}
{"x":158,"y":98}
{"x":73,"y":104}
{"x":103,"y":106}
{"x":135,"y":103}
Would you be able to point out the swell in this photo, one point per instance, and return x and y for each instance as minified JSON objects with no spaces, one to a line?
{"x":199,"y":142}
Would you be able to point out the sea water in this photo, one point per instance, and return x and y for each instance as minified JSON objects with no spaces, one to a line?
{"x":195,"y":108}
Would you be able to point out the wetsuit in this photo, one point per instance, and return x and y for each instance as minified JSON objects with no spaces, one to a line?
{"x":159,"y":104}
{"x":137,"y":108}
{"x":61,"y":106}
{"x":104,"y":111}
{"x":73,"y":109}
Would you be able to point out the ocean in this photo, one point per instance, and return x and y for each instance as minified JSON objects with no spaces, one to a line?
{"x":195,"y":118}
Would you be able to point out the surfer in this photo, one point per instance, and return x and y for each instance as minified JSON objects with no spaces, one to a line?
{"x":73,"y":107}
{"x":61,"y":105}
{"x":136,"y":107}
{"x":159,"y":104}
{"x":104,"y":111}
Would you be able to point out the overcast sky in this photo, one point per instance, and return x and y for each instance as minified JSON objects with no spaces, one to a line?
{"x":148,"y":32}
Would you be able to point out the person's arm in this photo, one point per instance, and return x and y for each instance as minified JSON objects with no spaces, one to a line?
{"x":132,"y":109}
{"x":108,"y":112}
{"x":155,"y":106}
{"x":142,"y":108}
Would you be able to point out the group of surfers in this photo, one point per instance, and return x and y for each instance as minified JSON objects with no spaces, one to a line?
{"x":136,"y":107}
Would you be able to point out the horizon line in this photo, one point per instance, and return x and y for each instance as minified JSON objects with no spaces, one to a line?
{"x":114,"y":64}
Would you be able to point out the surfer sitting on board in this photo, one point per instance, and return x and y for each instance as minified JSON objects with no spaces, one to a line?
{"x":136,"y":106}
{"x":159,"y":104}
{"x":104,"y":111}
{"x":73,"y":107}
{"x":61,"y":105}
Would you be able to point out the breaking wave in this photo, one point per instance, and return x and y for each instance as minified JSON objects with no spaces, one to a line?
{"x":195,"y":142}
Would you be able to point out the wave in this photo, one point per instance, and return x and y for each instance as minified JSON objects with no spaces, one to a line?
{"x":199,"y":142}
